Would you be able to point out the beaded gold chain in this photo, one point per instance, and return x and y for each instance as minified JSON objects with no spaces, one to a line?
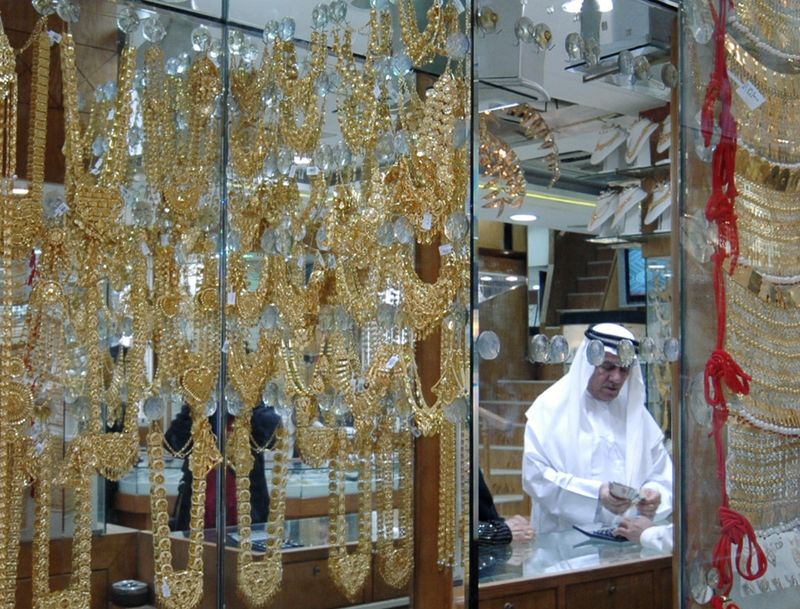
{"x":349,"y":570}
{"x":395,"y":557}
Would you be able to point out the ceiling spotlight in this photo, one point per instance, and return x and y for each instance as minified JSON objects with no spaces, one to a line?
{"x":511,"y":278}
{"x":523,"y":218}
{"x":574,"y":6}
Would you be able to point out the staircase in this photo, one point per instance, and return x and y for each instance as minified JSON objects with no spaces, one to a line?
{"x":588,"y":290}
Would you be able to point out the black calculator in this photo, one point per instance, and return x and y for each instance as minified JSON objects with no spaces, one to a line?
{"x":604,"y":534}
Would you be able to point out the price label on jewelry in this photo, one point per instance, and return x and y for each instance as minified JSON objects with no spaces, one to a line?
{"x":292,"y":171}
{"x":145,"y":248}
{"x":165,"y":590}
{"x":750,"y":95}
{"x":164,"y":239}
{"x":427,"y":221}
{"x":225,"y":346}
{"x":231,"y":298}
{"x":392,"y":362}
{"x":312,"y":170}
{"x":445,"y":249}
{"x":61,"y":209}
{"x":55,"y":37}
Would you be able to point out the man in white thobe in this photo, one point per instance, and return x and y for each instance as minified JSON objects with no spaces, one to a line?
{"x":590,"y":429}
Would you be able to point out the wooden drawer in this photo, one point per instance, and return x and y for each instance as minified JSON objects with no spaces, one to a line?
{"x":541,"y":599}
{"x":308,"y":584}
{"x":634,"y":591}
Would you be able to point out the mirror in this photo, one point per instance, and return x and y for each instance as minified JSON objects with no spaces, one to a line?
{"x":573,"y":216}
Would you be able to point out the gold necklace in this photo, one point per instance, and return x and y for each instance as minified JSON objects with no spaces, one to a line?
{"x":395,"y":557}
{"x":20,"y":223}
{"x":257,"y":582}
{"x":349,"y":571}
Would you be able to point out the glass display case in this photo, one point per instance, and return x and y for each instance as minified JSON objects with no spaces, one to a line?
{"x":572,"y":216}
{"x":738,"y":276}
{"x":235,"y":284}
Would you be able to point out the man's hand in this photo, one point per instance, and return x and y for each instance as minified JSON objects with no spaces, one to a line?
{"x":650,"y":500}
{"x":632,"y":528}
{"x":613,"y":504}
{"x":520,"y":528}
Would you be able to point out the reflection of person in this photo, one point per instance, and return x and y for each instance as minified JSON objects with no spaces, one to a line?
{"x":587,"y":430}
{"x":493,"y":528}
{"x":264,"y":422}
{"x":641,"y":530}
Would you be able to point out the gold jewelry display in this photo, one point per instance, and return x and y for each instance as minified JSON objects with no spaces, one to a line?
{"x":319,"y":267}
{"x":423,"y":46}
{"x":536,"y":127}
{"x":506,"y":182}
{"x":760,"y":465}
{"x":349,"y":570}
{"x":20,"y":228}
{"x":395,"y":557}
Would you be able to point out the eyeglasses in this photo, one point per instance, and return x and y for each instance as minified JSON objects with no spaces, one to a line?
{"x":610,"y":367}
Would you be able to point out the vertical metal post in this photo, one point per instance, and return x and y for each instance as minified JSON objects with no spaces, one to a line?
{"x":222,"y":269}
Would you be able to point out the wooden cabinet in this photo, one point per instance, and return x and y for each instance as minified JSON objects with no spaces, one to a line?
{"x":542,"y":599}
{"x":634,"y":591}
{"x":641,"y":584}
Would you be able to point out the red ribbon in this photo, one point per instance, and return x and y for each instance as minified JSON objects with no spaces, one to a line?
{"x":735,"y":530}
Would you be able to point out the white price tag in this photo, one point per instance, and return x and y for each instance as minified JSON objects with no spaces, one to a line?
{"x":312,"y":170}
{"x":55,"y":37}
{"x":164,"y":239}
{"x":225,"y":346}
{"x":126,"y":342}
{"x":165,"y":590}
{"x":750,"y":95}
{"x":145,"y":248}
{"x":427,"y":221}
{"x":231,"y":298}
{"x":445,"y":249}
{"x":61,"y":209}
{"x":292,"y":171}
{"x":392,"y":362}
{"x":377,"y":92}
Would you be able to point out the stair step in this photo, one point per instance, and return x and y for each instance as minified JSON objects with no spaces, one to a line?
{"x":521,"y":390}
{"x":585,"y":300}
{"x":592,"y":284}
{"x":515,"y":436}
{"x":605,"y":253}
{"x":493,"y":403}
{"x":598,"y":268}
{"x":505,"y":471}
{"x":506,"y":448}
{"x":502,"y":458}
{"x":499,"y":499}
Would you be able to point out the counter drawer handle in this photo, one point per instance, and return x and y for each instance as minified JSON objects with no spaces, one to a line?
{"x":316,"y":570}
{"x":612,"y":588}
{"x":508,"y":606}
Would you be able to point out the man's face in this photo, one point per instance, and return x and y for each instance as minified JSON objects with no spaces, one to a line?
{"x":607,"y":379}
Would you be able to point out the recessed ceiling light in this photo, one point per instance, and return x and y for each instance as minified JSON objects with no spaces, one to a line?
{"x":523,"y":218}
{"x":19,"y":190}
{"x":486,"y":278}
{"x":511,"y":278}
{"x":535,"y":288}
{"x":574,"y":6}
